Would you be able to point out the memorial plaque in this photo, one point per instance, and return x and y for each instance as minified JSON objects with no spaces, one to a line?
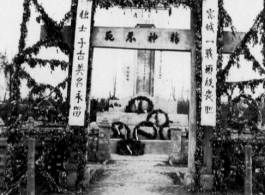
{"x":143,"y":82}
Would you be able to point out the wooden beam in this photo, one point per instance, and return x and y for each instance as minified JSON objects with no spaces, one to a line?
{"x":152,"y":72}
{"x":69,"y":33}
{"x":208,"y":150}
{"x":193,"y":102}
{"x":141,"y":35}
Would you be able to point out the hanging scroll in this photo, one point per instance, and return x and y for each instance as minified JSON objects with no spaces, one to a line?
{"x":80,"y":63}
{"x":209,"y":62}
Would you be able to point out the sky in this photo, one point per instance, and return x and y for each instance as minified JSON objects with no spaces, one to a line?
{"x":243,"y":13}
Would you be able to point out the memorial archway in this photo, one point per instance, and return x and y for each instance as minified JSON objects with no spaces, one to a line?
{"x":142,"y":70}
{"x":101,"y":38}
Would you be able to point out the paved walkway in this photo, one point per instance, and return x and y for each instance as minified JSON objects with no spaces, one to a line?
{"x":138,"y":176}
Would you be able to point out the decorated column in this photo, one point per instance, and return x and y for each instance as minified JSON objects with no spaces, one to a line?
{"x":80,"y":63}
{"x":209,"y":62}
{"x":208,"y":104}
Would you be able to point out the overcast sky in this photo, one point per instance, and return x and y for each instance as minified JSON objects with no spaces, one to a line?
{"x":243,"y":13}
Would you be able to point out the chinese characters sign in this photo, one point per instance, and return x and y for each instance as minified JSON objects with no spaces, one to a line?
{"x":143,"y":80}
{"x":209,"y":62}
{"x":80,"y":62}
{"x":141,"y":38}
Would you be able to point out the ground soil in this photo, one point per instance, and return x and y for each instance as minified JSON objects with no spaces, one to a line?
{"x":137,"y":177}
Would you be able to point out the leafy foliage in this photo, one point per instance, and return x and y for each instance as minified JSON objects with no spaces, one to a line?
{"x":228,"y":154}
{"x":19,"y":110}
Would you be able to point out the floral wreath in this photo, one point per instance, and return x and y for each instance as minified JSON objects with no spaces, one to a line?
{"x":126,"y":146}
{"x":137,"y":130}
{"x":130,"y":147}
{"x":139,"y":109}
{"x":116,"y":130}
{"x":161,"y":126}
{"x":249,"y":115}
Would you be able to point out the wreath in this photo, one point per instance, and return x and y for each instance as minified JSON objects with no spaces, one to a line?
{"x":130,"y":147}
{"x":168,"y":134}
{"x":244,"y":112}
{"x":116,"y":128}
{"x":154,"y":114}
{"x":133,"y":106}
{"x":162,"y":135}
{"x":137,"y":130}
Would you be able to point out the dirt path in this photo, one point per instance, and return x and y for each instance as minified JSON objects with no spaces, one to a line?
{"x":133,"y":177}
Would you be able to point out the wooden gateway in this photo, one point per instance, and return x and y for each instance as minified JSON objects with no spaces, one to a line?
{"x":145,"y":39}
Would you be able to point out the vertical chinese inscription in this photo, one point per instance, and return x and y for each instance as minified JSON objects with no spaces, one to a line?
{"x":128,"y":73}
{"x":160,"y":66}
{"x":143,"y":80}
{"x":144,"y":73}
{"x":80,"y":63}
{"x":209,"y":62}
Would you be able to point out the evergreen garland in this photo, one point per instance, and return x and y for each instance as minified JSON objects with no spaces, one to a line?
{"x":197,"y":11}
{"x":33,"y":62}
{"x":242,"y":48}
{"x":146,"y":4}
{"x":222,"y":142}
{"x":224,"y":20}
{"x":15,"y":135}
{"x":262,"y":33}
{"x":90,"y":61}
{"x":24,"y":30}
